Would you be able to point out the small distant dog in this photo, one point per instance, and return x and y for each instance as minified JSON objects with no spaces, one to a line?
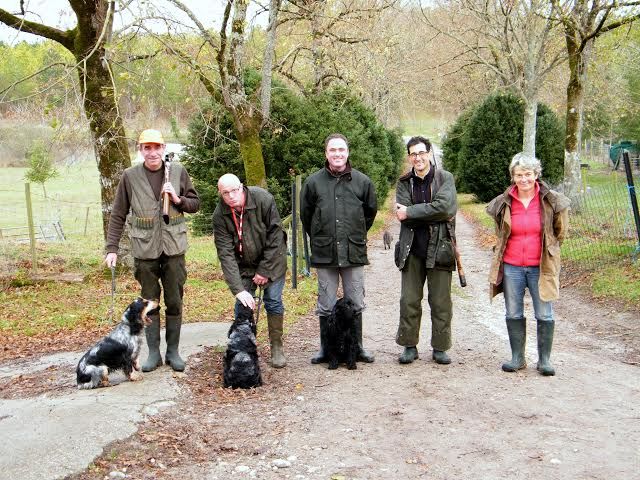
{"x":341,"y":338}
{"x":241,"y":364}
{"x":387,"y":238}
{"x":117,"y":351}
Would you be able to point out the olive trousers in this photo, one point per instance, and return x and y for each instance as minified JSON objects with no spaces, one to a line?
{"x":414,"y":275}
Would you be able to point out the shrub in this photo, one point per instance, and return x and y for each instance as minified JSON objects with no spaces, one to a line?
{"x":292,"y":143}
{"x":494,"y":134}
{"x":452,"y":146}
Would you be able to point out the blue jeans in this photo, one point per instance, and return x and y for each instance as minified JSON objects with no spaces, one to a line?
{"x":515,"y":280}
{"x":272,"y":295}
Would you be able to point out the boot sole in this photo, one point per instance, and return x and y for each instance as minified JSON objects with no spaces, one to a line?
{"x":151,"y":369}
{"x":406,"y":361}
{"x":546,"y":373}
{"x":512,"y":369}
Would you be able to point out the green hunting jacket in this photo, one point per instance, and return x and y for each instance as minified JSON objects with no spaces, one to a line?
{"x":264,"y":242}
{"x":337,"y":211}
{"x":438,"y":216}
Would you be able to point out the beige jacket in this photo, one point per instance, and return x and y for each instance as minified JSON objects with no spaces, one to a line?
{"x":555,"y":221}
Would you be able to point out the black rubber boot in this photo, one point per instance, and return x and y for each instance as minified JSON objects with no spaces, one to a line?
{"x":517,"y":329}
{"x":363,"y":355}
{"x":545,"y":342}
{"x":409,"y":355}
{"x":321,"y":356}
{"x":172,"y":336}
{"x":276,"y":325}
{"x":152,"y":332}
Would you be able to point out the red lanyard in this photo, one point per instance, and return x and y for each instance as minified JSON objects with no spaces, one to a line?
{"x":238,"y":226}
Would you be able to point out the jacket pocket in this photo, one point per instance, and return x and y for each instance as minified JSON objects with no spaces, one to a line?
{"x":396,"y":254}
{"x":357,"y":251}
{"x":141,"y":239}
{"x":445,"y":257}
{"x":322,"y":249}
{"x":175,"y":239}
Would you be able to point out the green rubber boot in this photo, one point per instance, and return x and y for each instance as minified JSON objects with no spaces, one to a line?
{"x":152,"y":332}
{"x":275,"y":323}
{"x":172,"y":336}
{"x":545,"y":341}
{"x":517,"y":329}
{"x":409,"y":355}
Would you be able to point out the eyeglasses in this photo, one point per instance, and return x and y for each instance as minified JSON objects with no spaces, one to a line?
{"x":415,"y":155}
{"x":231,"y":192}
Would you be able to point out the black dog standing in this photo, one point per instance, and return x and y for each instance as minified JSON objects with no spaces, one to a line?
{"x":241,"y":364}
{"x":117,"y":351}
{"x":340,"y":336}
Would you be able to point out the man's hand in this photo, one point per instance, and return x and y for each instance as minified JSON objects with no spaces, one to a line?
{"x":111,"y":259}
{"x":401,"y":212}
{"x":246,"y":299}
{"x":260,"y":280}
{"x":168,"y":188}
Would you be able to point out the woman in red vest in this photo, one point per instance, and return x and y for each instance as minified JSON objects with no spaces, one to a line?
{"x":531,"y":222}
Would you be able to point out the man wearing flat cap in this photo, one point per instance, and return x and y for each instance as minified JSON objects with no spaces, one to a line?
{"x":158,"y":241}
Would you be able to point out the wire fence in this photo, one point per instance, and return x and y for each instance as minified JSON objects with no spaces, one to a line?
{"x":602,"y":229}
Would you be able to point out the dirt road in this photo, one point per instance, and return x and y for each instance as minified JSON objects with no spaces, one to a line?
{"x":467,"y":420}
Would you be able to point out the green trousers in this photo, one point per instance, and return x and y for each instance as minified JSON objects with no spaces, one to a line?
{"x":171,"y":272}
{"x":414,"y":276}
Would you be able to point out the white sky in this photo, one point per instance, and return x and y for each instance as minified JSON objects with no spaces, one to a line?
{"x":58,"y":13}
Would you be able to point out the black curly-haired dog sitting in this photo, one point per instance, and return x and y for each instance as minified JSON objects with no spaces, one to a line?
{"x":341,"y":339}
{"x":241,"y":364}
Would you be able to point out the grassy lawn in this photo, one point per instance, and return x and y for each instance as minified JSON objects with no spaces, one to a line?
{"x":423,"y":124}
{"x":72,"y":198}
{"x":32,"y":308}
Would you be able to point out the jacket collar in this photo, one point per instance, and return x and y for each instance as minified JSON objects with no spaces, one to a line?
{"x":346,"y":171}
{"x":410,"y":173}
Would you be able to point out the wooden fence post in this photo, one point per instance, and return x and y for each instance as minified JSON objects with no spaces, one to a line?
{"x":32,"y":235}
{"x":86,"y":220}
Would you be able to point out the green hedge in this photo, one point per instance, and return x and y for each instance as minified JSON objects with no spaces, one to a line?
{"x":482,"y":142}
{"x":293,"y":141}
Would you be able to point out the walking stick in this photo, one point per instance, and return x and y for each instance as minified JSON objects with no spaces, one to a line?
{"x":452,"y":237}
{"x":166,"y":200}
{"x":113,"y":292}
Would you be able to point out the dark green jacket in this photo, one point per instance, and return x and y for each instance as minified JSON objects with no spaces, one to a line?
{"x":264,"y":243}
{"x":337,"y":212}
{"x":435,"y":215}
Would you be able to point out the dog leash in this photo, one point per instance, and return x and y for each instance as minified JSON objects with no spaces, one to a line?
{"x":113,"y":292}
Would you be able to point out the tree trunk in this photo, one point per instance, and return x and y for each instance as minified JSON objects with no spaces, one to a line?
{"x":248,"y":132}
{"x":529,"y":133}
{"x":107,"y":129}
{"x":575,"y":101}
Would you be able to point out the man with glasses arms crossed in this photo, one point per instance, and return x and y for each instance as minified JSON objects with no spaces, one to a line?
{"x":426,"y":206}
{"x":251,"y":246}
